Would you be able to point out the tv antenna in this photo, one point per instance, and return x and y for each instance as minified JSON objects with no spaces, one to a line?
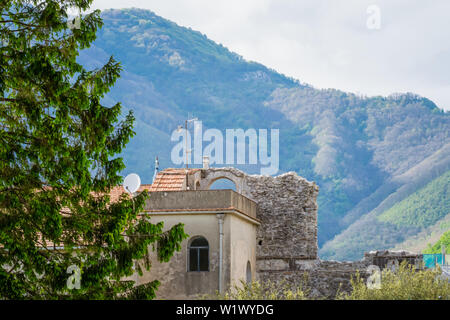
{"x":185,"y":140}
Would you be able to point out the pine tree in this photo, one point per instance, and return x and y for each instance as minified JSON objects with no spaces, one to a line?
{"x":58,"y":163}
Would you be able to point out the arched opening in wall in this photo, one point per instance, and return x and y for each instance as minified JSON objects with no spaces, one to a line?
{"x":197,"y":185}
{"x":222,"y":184}
{"x":198,"y":257}
{"x":249,"y":273}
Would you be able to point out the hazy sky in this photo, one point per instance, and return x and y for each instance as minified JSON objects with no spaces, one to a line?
{"x":327,"y":43}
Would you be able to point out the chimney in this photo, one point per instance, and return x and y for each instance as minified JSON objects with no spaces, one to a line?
{"x":205,"y":162}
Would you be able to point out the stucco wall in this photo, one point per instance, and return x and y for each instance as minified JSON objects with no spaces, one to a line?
{"x":243,"y":249}
{"x":239,"y":246}
{"x":176,"y":281}
{"x":284,"y":246}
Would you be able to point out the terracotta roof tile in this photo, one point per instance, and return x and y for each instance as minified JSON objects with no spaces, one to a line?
{"x":171,"y":179}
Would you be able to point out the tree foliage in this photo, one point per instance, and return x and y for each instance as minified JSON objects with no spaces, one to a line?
{"x":419,"y":212}
{"x":424,"y":207}
{"x":58,"y":163}
{"x":257,"y":290}
{"x":444,"y":240}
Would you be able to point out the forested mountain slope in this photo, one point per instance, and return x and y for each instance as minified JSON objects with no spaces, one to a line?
{"x":359,"y":150}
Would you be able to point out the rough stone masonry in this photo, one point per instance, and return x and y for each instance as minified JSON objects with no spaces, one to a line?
{"x":287,"y":210}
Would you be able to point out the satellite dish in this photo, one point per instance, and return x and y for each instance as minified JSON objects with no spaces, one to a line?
{"x":131,"y":183}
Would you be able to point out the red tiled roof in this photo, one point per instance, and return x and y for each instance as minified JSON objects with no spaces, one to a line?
{"x":170,"y":179}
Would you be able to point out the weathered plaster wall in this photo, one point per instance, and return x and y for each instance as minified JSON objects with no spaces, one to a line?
{"x":282,"y":248}
{"x":176,"y":281}
{"x":243,"y":249}
{"x":239,"y":246}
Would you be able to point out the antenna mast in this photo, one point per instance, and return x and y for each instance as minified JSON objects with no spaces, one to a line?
{"x":156,"y":169}
{"x":185,"y":140}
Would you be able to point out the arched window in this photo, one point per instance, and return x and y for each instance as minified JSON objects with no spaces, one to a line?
{"x":199,"y":255}
{"x":223,"y":183}
{"x":249,"y":272}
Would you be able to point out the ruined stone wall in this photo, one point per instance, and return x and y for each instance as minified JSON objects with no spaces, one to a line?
{"x":389,"y":258}
{"x":322,"y":279}
{"x":325,"y":279}
{"x":287,"y":210}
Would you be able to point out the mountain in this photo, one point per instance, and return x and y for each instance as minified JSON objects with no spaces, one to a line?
{"x":421,"y":241}
{"x":365,"y":153}
{"x":424,"y":210}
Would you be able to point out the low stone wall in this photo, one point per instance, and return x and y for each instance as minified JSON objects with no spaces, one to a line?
{"x":387,"y":258}
{"x":324,"y":279}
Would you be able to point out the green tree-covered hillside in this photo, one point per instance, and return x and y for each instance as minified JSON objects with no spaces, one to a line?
{"x":357,"y":149}
{"x":424,"y":208}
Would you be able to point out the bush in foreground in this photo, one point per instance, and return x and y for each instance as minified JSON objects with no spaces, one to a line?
{"x":405,"y":283}
{"x":263,"y":291}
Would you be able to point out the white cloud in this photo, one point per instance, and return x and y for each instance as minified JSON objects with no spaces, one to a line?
{"x":327,"y":43}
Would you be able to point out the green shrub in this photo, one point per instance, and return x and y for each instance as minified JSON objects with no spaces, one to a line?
{"x":263,"y":291}
{"x":437,"y":247}
{"x":406,"y":283}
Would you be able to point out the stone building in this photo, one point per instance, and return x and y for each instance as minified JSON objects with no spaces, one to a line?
{"x":263,"y":229}
{"x":263,"y":225}
{"x":221,"y":248}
